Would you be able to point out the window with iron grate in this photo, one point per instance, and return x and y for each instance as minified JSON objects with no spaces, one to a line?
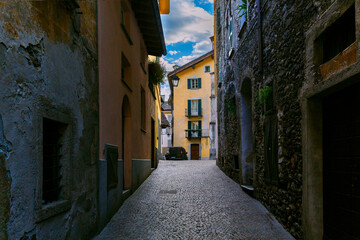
{"x":53,"y":132}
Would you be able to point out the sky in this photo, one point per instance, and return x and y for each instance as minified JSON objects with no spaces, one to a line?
{"x":187,"y":30}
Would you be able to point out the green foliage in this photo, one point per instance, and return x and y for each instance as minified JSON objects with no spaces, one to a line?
{"x":242,"y":9}
{"x":156,"y":72}
{"x":264,"y":94}
{"x":231,"y":106}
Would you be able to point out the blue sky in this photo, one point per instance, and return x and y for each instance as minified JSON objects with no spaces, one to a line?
{"x":187,"y":30}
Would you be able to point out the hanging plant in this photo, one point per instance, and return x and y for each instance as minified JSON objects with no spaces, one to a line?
{"x":242,"y":9}
{"x":156,"y":72}
{"x":265,"y":98}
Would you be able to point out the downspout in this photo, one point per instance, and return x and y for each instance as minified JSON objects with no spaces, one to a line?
{"x":258,"y":3}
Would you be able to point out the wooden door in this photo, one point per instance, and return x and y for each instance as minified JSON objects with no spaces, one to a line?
{"x":341,"y":164}
{"x":194,"y":151}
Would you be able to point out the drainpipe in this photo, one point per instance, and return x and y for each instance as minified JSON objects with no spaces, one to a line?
{"x":258,"y":2}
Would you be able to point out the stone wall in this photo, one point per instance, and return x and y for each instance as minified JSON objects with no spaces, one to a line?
{"x":282,"y":64}
{"x":48,"y":68}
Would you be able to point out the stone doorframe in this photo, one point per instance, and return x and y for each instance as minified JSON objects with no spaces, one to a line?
{"x":311,"y":97}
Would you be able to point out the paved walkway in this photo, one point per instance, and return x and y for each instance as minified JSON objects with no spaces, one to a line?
{"x":192,"y":200}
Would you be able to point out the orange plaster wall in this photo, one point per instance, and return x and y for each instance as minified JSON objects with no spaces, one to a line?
{"x":112,"y":42}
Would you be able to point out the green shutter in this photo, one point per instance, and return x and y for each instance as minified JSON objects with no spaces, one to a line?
{"x":189,"y":107}
{"x":189,"y":127}
{"x":199,"y":82}
{"x":199,"y":107}
{"x":189,"y":83}
{"x":200,"y":132}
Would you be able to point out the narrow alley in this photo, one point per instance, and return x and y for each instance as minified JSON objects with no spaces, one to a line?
{"x":192,"y":200}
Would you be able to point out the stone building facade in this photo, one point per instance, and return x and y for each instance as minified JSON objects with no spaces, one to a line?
{"x":282,"y":75}
{"x":48,"y":119}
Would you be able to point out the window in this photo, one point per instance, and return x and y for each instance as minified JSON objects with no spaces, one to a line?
{"x":125,"y":71}
{"x":339,"y":35}
{"x":125,"y":21}
{"x":53,"y":138}
{"x":194,"y":129}
{"x":194,"y":107}
{"x":271,"y":149}
{"x":207,"y":68}
{"x":218,"y":19}
{"x":111,"y":156}
{"x":143,"y":57}
{"x":194,"y":83}
{"x":230,"y":32}
{"x":236,"y":162}
{"x":143,"y":109}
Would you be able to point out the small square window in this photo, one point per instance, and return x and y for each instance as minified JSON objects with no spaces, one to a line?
{"x":207,"y":68}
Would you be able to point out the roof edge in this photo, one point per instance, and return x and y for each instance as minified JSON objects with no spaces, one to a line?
{"x":189,"y":64}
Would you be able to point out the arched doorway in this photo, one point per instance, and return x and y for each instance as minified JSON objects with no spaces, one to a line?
{"x":246,"y":133}
{"x":126,"y":142}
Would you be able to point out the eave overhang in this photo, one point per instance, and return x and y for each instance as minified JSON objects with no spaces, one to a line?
{"x":148,"y":18}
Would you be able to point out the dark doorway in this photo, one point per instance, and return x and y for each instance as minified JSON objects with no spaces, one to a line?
{"x":152,"y":143}
{"x":247,"y":167}
{"x":341,"y":164}
{"x":195,"y":151}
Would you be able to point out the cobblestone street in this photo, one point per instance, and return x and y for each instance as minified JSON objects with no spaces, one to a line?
{"x":192,"y":200}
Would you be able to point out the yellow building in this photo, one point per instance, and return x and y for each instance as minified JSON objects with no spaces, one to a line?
{"x":156,"y":115}
{"x":193,"y":108}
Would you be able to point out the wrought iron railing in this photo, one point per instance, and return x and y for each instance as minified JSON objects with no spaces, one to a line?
{"x":196,"y":133}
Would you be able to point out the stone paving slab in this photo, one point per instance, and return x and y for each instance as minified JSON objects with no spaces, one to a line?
{"x":192,"y":200}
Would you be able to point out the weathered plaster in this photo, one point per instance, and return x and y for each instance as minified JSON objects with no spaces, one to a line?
{"x":47,"y":66}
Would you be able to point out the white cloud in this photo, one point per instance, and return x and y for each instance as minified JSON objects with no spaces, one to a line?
{"x":202,"y":47}
{"x":187,"y":22}
{"x":168,"y":66}
{"x":165,"y":88}
{"x":199,"y":49}
{"x":173,"y":52}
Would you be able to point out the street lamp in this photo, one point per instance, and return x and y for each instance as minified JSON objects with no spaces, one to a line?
{"x":175,"y":80}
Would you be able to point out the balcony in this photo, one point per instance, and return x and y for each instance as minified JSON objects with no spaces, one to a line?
{"x":193,"y":114}
{"x":196,"y":133}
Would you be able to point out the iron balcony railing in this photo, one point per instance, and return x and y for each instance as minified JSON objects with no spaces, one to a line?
{"x":196,"y":133}
{"x":193,"y":113}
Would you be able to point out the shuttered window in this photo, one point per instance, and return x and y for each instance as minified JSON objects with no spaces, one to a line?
{"x":194,"y":107}
{"x":194,"y":83}
{"x":271,"y":149}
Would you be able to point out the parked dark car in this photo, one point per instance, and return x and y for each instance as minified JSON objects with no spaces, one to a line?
{"x":176,"y":153}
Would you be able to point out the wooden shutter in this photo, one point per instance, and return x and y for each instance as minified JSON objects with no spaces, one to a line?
{"x":189,"y":127}
{"x":189,"y":107}
{"x":199,"y":107}
{"x":199,"y":82}
{"x":189,"y":83}
{"x":271,"y":150}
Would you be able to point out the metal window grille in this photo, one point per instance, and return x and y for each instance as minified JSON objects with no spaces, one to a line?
{"x":53,"y":132}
